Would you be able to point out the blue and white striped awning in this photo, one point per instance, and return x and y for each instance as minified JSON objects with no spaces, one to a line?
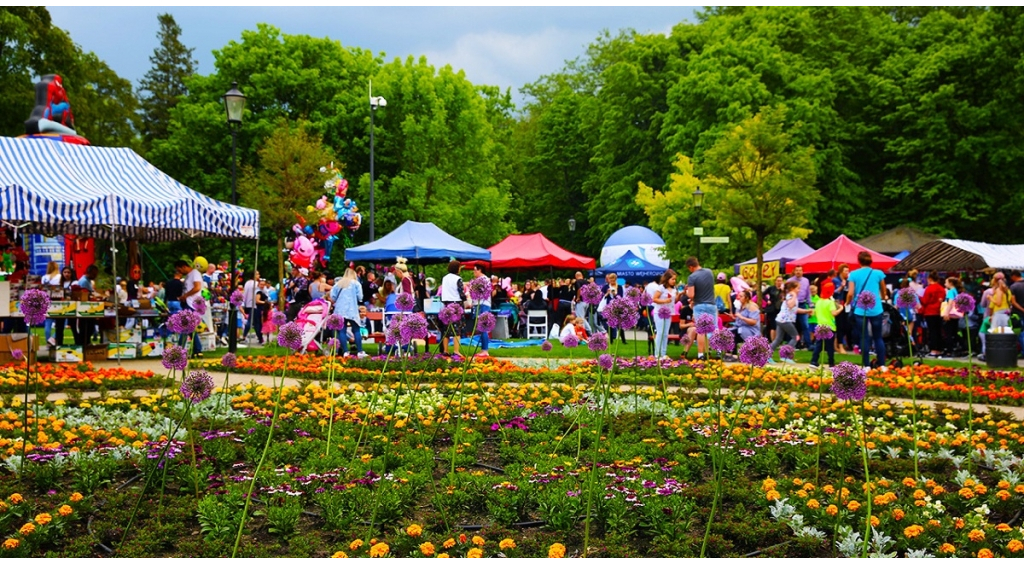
{"x":61,"y":188}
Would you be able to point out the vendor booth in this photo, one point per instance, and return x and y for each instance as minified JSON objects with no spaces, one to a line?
{"x":535,"y":251}
{"x":840,"y":251}
{"x":418,"y":243}
{"x":642,"y":241}
{"x":774,"y":260}
{"x":631,"y":268}
{"x":948,"y":255}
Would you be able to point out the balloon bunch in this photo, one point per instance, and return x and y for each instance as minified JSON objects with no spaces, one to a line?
{"x":314,"y":242}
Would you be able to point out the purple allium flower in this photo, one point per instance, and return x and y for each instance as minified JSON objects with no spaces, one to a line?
{"x":664,"y":313}
{"x":964,"y":303}
{"x":849,"y":382}
{"x":822,"y":333}
{"x":686,"y":341}
{"x":645,"y":299}
{"x":34,"y":304}
{"x":200,"y":306}
{"x":706,"y":324}
{"x":756,"y":351}
{"x":229,"y":360}
{"x":393,"y":334}
{"x":334,"y":322}
{"x":570,"y":341}
{"x":174,"y":358}
{"x":591,"y":294}
{"x":412,"y":327}
{"x":722,"y":341}
{"x":480,"y":288}
{"x":405,"y":302}
{"x":184,"y":322}
{"x":333,"y":344}
{"x":545,"y":346}
{"x":906,"y":298}
{"x":289,"y":336}
{"x":866,"y":300}
{"x":278,"y":318}
{"x":485,"y":322}
{"x":598,"y":342}
{"x":236,"y":298}
{"x":605,"y":361}
{"x":786,"y":351}
{"x":18,"y":354}
{"x":451,"y":313}
{"x":633,"y":294}
{"x":621,"y":313}
{"x":197,"y":386}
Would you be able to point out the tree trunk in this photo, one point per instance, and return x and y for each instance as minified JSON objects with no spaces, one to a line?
{"x":280,"y":271}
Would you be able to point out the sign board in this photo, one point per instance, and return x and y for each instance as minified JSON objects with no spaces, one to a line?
{"x":43,"y":250}
{"x":714,"y":239}
{"x":769,"y":270}
{"x":698,"y":231}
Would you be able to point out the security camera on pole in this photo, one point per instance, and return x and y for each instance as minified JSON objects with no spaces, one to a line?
{"x":375,"y":102}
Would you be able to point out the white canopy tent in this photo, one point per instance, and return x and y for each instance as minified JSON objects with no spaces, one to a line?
{"x":956,"y":254}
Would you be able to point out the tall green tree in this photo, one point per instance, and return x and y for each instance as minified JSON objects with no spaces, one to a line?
{"x":164,"y":83}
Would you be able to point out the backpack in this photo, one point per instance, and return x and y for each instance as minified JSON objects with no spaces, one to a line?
{"x":720,"y":304}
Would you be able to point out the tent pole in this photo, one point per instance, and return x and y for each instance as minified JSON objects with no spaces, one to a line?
{"x":117,"y":312}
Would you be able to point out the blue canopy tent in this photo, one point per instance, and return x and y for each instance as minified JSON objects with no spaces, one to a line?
{"x":631,"y":267}
{"x":419,"y":243}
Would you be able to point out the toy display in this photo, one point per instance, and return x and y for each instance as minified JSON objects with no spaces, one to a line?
{"x":52,"y":118}
{"x":312,"y":241}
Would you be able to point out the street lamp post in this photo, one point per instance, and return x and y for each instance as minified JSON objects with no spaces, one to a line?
{"x":234,"y":103}
{"x":375,"y":102}
{"x":698,"y":202}
{"x":572,"y":233}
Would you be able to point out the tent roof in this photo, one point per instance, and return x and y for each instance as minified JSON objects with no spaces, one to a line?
{"x":955,"y":254}
{"x":897,"y":239}
{"x":535,"y":251}
{"x":841,"y":250}
{"x":786,"y":249}
{"x":634,"y":235}
{"x":631,"y":266}
{"x":61,"y":188}
{"x":420,"y":243}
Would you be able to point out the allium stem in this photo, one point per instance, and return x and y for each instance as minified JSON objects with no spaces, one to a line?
{"x":970,"y":396}
{"x":594,"y":449}
{"x":867,"y":479}
{"x":330,"y":400}
{"x":913,"y":397}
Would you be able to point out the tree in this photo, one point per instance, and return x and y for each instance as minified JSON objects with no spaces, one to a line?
{"x":287,"y":179}
{"x":164,"y":84}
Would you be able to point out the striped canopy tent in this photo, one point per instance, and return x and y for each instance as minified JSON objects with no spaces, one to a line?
{"x":59,"y":188}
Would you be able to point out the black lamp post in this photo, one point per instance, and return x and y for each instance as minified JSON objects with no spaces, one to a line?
{"x":234,"y":103}
{"x":572,"y":233}
{"x":375,"y":102}
{"x":698,"y":202}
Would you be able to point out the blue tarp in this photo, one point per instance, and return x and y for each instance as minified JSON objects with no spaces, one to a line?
{"x":631,"y":267}
{"x":419,"y":243}
{"x":474,"y":341}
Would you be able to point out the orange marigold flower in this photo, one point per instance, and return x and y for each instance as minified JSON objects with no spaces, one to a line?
{"x":768,"y":484}
{"x":980,"y":489}
{"x":913,"y":531}
{"x":356,"y":544}
{"x":478,"y":540}
{"x":15,"y":498}
{"x":448,"y":543}
{"x":379,"y":550}
{"x":985,"y":553}
{"x":920,"y":502}
{"x":557,"y":550}
{"x":938,"y":490}
{"x":798,"y":482}
{"x":874,"y":521}
{"x":462,"y":538}
{"x":832,"y":510}
{"x":966,"y":493}
{"x":43,"y":518}
{"x":919,"y":494}
{"x":1019,"y":488}
{"x":898,"y":514}
{"x":1003,"y":528}
{"x":65,"y":510}
{"x":909,"y":482}
{"x":414,"y":530}
{"x":829,"y":489}
{"x":443,"y":555}
{"x":27,"y":529}
{"x":427,"y":549}
{"x":958,"y":523}
{"x":853,"y":505}
{"x":947,"y":548}
{"x":772,"y":495}
{"x":474,"y":553}
{"x":339,"y":554}
{"x":813,"y":504}
{"x":976,"y":535}
{"x":1003,"y":495}
{"x":1003,"y":485}
{"x":934,"y":523}
{"x":76,"y":497}
{"x":11,"y":544}
{"x":1015,"y":546}
{"x":507,"y":544}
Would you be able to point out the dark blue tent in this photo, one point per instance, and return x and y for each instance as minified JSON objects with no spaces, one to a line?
{"x":631,"y":267}
{"x":419,"y":243}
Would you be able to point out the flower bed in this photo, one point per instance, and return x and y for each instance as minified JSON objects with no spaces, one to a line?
{"x":57,"y":377}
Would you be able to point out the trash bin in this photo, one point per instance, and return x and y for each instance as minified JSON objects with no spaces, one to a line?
{"x":1001,"y":350}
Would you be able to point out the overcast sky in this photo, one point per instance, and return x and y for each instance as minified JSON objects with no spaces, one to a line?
{"x":507,"y":47}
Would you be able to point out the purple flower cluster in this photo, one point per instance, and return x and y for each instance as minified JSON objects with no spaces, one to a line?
{"x":174,"y":358}
{"x":906,"y":298}
{"x":412,"y":327}
{"x":34,"y":304}
{"x":633,"y":294}
{"x":236,"y":298}
{"x":705,"y":324}
{"x":278,"y":318}
{"x":451,"y":313}
{"x":598,"y":342}
{"x":964,"y":303}
{"x":333,"y":344}
{"x":570,"y":341}
{"x":849,"y":382}
{"x":822,"y":333}
{"x":197,"y":386}
{"x":605,"y":361}
{"x":621,"y":313}
{"x":393,"y":334}
{"x":545,"y":346}
{"x":335,"y":322}
{"x":229,"y":361}
{"x":722,"y":341}
{"x":756,"y":351}
{"x":200,"y":306}
{"x":480,"y":288}
{"x":185,"y":322}
{"x":405,"y":302}
{"x":787,"y":352}
{"x":289,"y":336}
{"x":591,"y":294}
{"x":485,"y":322}
{"x":866,"y":300}
{"x":18,"y":354}
{"x":664,"y":313}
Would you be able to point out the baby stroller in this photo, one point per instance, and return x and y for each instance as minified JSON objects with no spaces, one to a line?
{"x":311,"y":319}
{"x":896,"y":345}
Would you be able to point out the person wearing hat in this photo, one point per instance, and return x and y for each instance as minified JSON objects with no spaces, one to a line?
{"x":403,"y":282}
{"x":723,"y":292}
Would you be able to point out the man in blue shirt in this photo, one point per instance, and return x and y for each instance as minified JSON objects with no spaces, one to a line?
{"x":871,"y":280}
{"x":803,"y":297}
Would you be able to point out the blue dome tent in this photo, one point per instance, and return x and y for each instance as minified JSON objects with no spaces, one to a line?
{"x":632,"y":268}
{"x":641,"y":241}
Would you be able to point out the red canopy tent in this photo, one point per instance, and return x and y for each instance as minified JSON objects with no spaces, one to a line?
{"x":534,"y":250}
{"x":842,"y":250}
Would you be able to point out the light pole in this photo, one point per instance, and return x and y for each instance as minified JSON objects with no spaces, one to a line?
{"x":572,"y":233}
{"x":375,"y":102}
{"x":698,"y":202}
{"x":234,"y":103}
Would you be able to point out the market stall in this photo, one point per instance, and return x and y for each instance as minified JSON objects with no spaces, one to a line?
{"x":418,"y":243}
{"x":534,"y":251}
{"x":949,"y":255}
{"x":840,"y":251}
{"x":774,"y":260}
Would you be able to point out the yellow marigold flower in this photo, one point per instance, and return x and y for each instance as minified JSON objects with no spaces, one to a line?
{"x":853,"y":505}
{"x":443,"y":555}
{"x":339,"y":554}
{"x":969,"y":482}
{"x":966,"y":493}
{"x":801,"y":493}
{"x":478,"y":540}
{"x":985,"y":553}
{"x":913,"y":531}
{"x":947,"y":548}
{"x":920,"y":494}
{"x":829,"y":489}
{"x":474,"y":553}
{"x":557,"y":550}
{"x":934,"y":523}
{"x":15,"y":498}
{"x":772,"y":495}
{"x":832,"y":510}
{"x":507,"y":544}
{"x":65,"y":510}
{"x":427,"y":549}
{"x":11,"y":544}
{"x":798,"y":482}
{"x":768,"y":484}
{"x":809,"y":487}
{"x":27,"y":529}
{"x":448,"y":543}
{"x":414,"y":530}
{"x":813,"y":504}
{"x":909,"y":482}
{"x":379,"y":550}
{"x":1015,"y":546}
{"x":898,"y":514}
{"x":43,"y":518}
{"x":874,"y":521}
{"x":976,"y":535}
{"x":920,"y":502}
{"x":355,"y":545}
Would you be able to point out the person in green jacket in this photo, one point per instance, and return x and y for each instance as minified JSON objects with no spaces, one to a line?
{"x":825,"y":311}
